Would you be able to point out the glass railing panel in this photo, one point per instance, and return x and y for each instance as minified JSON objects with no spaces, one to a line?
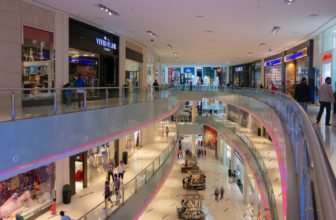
{"x":141,"y":179}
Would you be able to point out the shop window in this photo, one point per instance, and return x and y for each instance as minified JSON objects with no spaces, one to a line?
{"x":38,"y":63}
{"x":27,"y":193}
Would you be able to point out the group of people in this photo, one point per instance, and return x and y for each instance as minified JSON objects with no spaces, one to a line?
{"x":218,"y":192}
{"x":326,"y":98}
{"x":117,"y":179}
{"x":164,"y":130}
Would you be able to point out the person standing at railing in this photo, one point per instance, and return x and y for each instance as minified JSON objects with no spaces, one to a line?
{"x":302,"y":93}
{"x":156,"y":87}
{"x":80,"y":84}
{"x":326,"y":97}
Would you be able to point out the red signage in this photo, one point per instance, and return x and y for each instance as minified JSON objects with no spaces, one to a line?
{"x":326,"y":56}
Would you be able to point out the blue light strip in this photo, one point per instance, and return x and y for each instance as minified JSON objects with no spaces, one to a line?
{"x":82,"y":61}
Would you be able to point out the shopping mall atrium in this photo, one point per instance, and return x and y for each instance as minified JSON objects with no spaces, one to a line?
{"x":165,"y":110}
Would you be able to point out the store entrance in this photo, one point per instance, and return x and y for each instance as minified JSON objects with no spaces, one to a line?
{"x":109,"y":76}
{"x":78,"y":174}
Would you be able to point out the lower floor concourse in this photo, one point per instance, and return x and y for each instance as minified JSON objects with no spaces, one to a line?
{"x":168,"y":199}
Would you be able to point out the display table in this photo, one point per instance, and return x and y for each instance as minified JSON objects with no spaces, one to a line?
{"x":191,"y":207}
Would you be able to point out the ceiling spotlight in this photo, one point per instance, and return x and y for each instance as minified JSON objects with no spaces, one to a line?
{"x":275,"y":29}
{"x":169,"y":46}
{"x":106,"y":10}
{"x":175,"y":54}
{"x":110,"y":13}
{"x":102,"y":8}
{"x":249,"y":53}
{"x":289,"y":2}
{"x":262,"y":44}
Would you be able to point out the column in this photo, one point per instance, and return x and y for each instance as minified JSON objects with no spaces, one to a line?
{"x":61,"y":40}
{"x":122,"y":61}
{"x":262,"y":77}
{"x":193,"y":111}
{"x":143,"y":74}
{"x":62,"y":173}
{"x":232,"y":160}
{"x":246,"y":183}
{"x":193,"y":146}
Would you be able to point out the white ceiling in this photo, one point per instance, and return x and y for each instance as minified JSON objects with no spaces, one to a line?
{"x":236,"y":27}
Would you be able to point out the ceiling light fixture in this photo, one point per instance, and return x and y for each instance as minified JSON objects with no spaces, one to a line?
{"x":275,"y":29}
{"x":249,"y":53}
{"x":169,"y":46}
{"x":107,"y":10}
{"x":151,"y":36}
{"x":289,"y":2}
{"x":262,"y":44}
{"x":175,"y":54}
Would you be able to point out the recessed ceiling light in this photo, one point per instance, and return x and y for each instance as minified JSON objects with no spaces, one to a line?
{"x":262,"y":44}
{"x":169,"y":46}
{"x":108,"y":10}
{"x":289,"y":2}
{"x":199,"y":16}
{"x":275,"y":29}
{"x":249,"y":53}
{"x":313,"y":15}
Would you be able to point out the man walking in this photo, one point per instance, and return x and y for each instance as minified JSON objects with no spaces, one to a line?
{"x":302,"y":93}
{"x":216,"y":193}
{"x":326,"y":97}
{"x":80,"y":84}
{"x":221,"y":193}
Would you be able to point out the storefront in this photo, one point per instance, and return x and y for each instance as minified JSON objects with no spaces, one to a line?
{"x":133,"y":66}
{"x":38,"y":61}
{"x":94,"y":54}
{"x":246,"y":75}
{"x":133,"y":142}
{"x":274,"y":72}
{"x":27,"y":193}
{"x":325,"y":63}
{"x":298,"y":64}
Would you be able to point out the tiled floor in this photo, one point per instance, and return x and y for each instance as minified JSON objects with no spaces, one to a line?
{"x":327,"y":133}
{"x":88,"y":198}
{"x":168,"y":198}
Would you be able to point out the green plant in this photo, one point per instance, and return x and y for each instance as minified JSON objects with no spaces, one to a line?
{"x":66,"y":188}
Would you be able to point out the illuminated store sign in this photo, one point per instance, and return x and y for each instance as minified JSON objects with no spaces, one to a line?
{"x":273,"y":62}
{"x":239,"y":69}
{"x":297,"y":55}
{"x":108,"y":45}
{"x":326,"y":57}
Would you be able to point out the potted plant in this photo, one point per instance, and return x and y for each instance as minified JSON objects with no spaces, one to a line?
{"x":66,"y":194}
{"x":125,"y":157}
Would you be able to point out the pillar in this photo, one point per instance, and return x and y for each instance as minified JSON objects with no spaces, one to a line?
{"x":232,"y":160}
{"x":193,"y":145}
{"x":262,"y":77}
{"x":122,"y":61}
{"x":61,"y":40}
{"x":246,"y":183}
{"x":193,"y":112}
{"x":62,"y":174}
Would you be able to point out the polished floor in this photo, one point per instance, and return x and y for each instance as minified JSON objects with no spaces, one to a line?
{"x":90,"y":197}
{"x":164,"y":205}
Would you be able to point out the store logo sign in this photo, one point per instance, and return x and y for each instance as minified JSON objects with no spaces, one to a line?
{"x":108,"y":45}
{"x":272,"y":62}
{"x":239,"y":69}
{"x":326,"y":57}
{"x":297,"y":55}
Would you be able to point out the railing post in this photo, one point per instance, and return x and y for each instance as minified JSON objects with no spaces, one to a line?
{"x":13,"y":112}
{"x":55,"y":102}
{"x":123,"y":195}
{"x":136,"y":185}
{"x":84,"y":102}
{"x":106,"y":97}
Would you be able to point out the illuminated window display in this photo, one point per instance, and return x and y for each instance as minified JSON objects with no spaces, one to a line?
{"x":26,"y":193}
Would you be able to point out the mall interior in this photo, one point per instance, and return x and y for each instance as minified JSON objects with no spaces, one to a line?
{"x":167,"y":109}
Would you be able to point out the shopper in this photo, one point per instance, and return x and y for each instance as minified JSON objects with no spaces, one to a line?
{"x":167,"y":131}
{"x":222,"y":192}
{"x":121,"y":170}
{"x":107,"y":194}
{"x":80,"y":84}
{"x":273,"y":88}
{"x":216,"y":193}
{"x":110,"y":168}
{"x":302,"y":93}
{"x":53,"y":207}
{"x":63,"y":216}
{"x":326,"y":97}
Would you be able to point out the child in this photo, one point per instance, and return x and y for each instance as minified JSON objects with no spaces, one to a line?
{"x":53,"y":207}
